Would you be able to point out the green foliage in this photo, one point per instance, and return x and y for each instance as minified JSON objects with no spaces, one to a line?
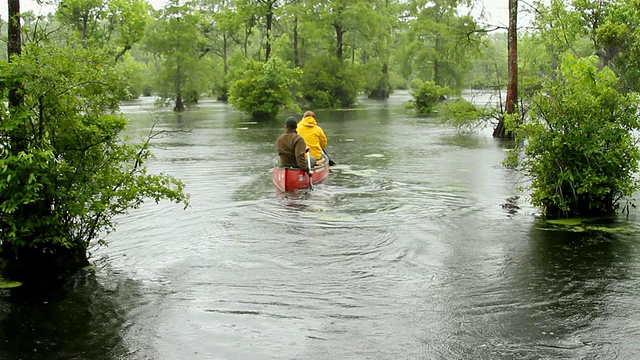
{"x":113,"y":24}
{"x":426,"y":96}
{"x":126,"y":21}
{"x":462,"y":115}
{"x":177,"y":41}
{"x":83,"y":16}
{"x":66,"y":171}
{"x":618,"y":38}
{"x":578,"y":145}
{"x":330,"y":83}
{"x":264,"y":89}
{"x":440,"y":42}
{"x":135,"y":75}
{"x":490,"y":70}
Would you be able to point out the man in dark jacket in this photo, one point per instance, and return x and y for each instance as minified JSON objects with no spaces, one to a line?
{"x":291,"y":147}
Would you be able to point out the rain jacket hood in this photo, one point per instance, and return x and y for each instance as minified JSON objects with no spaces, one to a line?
{"x":313,"y":136}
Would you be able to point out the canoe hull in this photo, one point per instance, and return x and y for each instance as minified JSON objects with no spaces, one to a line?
{"x":288,"y":179}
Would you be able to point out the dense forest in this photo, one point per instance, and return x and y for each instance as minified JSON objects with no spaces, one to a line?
{"x":570,"y":83}
{"x":189,"y":49}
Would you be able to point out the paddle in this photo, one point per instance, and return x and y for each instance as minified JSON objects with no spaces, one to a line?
{"x":331,"y":162}
{"x":309,"y":167}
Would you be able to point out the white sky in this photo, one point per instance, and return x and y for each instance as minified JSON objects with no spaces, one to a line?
{"x":496,"y":10}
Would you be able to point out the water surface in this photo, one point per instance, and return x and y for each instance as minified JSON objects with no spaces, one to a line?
{"x":416,"y":247}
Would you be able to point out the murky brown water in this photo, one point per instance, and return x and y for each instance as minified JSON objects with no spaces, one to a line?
{"x":404,"y":253}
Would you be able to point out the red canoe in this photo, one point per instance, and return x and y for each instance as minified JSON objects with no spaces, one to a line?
{"x":289,"y":179}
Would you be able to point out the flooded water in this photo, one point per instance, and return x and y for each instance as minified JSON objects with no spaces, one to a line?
{"x":416,"y":247}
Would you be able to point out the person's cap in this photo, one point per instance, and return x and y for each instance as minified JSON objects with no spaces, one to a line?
{"x":291,"y":122}
{"x":309,"y":113}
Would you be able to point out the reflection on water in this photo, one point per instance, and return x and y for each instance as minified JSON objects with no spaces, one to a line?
{"x":83,"y":318}
{"x":417,"y":246}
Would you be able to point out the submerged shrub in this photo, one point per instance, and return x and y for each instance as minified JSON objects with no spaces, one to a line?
{"x":330,"y":83}
{"x":264,"y":89}
{"x":426,"y":96}
{"x":579,"y":147}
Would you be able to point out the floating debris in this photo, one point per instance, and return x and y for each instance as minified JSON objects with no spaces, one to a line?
{"x":566,"y":222}
{"x":583,"y":225}
{"x":6,"y":284}
{"x":374,"y":156}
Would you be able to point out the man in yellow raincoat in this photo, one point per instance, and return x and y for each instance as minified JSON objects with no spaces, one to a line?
{"x":313,"y":136}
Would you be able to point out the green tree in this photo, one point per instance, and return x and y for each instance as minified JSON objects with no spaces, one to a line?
{"x":84,"y":16}
{"x":176,"y":38}
{"x":559,"y":32}
{"x":222,"y":29}
{"x":490,"y":70}
{"x":343,"y":47}
{"x":66,"y":170}
{"x":593,"y":14}
{"x":135,"y":75}
{"x":249,"y":16}
{"x":330,"y":83}
{"x":376,"y":47}
{"x":264,"y":89}
{"x":579,"y":147}
{"x":512,"y":73}
{"x":267,"y":9}
{"x":127,"y":20}
{"x":618,"y":39}
{"x":439,"y":43}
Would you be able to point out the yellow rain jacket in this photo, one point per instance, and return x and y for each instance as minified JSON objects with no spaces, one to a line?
{"x":313,"y":136}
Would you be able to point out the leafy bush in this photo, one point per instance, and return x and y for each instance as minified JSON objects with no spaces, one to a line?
{"x":578,"y":145}
{"x":330,"y":83}
{"x":66,"y":170}
{"x":463,"y":115}
{"x":264,"y":89}
{"x":426,"y":96}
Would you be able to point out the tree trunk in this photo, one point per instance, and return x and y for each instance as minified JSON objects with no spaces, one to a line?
{"x":179,"y":102}
{"x":339,"y":41}
{"x":245,"y":45}
{"x":225,"y":55}
{"x":122,"y":52}
{"x":269,"y":19}
{"x":436,"y":63}
{"x":383,"y":90}
{"x":14,"y":46}
{"x":296,"y":53}
{"x":512,"y":86}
